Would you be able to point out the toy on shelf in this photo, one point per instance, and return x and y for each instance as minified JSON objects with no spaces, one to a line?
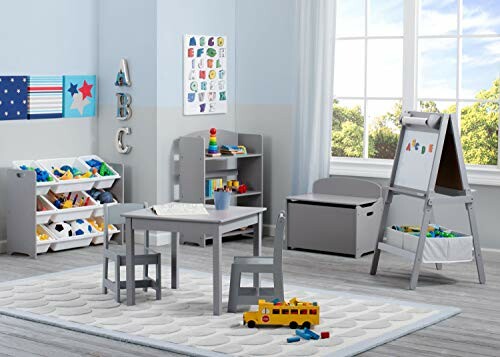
{"x":295,"y":313}
{"x":433,"y":231}
{"x":67,"y":172}
{"x":81,"y":227}
{"x":61,"y":201}
{"x":41,"y":175}
{"x":213,"y":148}
{"x":101,"y":196}
{"x":233,"y":184}
{"x":233,"y":150}
{"x":101,"y":167}
{"x":61,"y":230}
{"x":243,"y":188}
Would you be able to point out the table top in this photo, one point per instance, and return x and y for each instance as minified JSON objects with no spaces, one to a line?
{"x":233,"y":213}
{"x":333,"y":199}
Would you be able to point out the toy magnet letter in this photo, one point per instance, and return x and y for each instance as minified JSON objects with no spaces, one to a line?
{"x":123,"y":109}
{"x":120,"y":147}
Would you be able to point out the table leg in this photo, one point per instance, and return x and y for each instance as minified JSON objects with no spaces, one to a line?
{"x":173,"y":260}
{"x":257,"y":246}
{"x":217,"y":271}
{"x":130,"y":250}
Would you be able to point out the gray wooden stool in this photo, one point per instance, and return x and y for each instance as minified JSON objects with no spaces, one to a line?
{"x":250,"y":295}
{"x":112,"y":215}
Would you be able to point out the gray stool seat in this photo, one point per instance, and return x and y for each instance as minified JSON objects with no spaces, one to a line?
{"x":239,"y":295}
{"x":117,"y":254}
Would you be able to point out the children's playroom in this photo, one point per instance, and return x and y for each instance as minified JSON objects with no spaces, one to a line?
{"x":249,"y":178}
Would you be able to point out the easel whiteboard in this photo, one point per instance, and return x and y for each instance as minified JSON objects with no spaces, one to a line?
{"x":416,"y":158}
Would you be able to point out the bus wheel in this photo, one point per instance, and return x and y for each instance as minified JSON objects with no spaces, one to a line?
{"x":293,"y":325}
{"x":306,"y":324}
{"x":251,"y":324}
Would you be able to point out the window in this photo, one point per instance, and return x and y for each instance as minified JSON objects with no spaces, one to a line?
{"x":285,"y":311}
{"x":276,"y":311}
{"x":430,"y":55}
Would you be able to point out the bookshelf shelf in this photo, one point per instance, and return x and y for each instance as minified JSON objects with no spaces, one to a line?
{"x":195,"y":168}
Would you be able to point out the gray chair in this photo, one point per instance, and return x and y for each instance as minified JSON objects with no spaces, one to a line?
{"x":250,"y":295}
{"x":117,"y":254}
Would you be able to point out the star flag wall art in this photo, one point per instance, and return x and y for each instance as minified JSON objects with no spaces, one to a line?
{"x":79,"y":93}
{"x":13,"y":97}
{"x":45,"y":97}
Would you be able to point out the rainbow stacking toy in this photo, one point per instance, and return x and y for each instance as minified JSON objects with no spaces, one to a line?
{"x":213,"y":148}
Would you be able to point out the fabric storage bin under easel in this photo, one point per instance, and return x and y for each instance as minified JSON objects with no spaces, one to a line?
{"x":342,"y":216}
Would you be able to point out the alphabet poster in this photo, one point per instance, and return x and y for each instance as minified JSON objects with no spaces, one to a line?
{"x":415,"y":159}
{"x":205,"y":74}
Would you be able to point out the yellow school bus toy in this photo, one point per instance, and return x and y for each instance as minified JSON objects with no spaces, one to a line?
{"x":294,"y":314}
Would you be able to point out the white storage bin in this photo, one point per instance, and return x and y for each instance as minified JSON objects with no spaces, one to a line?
{"x":42,"y":246}
{"x":41,"y":187}
{"x":101,"y":181}
{"x":83,"y":184}
{"x":69,"y":214}
{"x":71,"y":242}
{"x":99,"y":239}
{"x":436,"y":250}
{"x":46,"y":215}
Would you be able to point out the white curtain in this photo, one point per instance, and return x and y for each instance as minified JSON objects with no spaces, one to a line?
{"x":314,"y":93}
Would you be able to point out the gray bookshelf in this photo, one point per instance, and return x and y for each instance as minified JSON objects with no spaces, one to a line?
{"x":195,"y":168}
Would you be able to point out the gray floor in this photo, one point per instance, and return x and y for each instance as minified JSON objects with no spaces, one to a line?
{"x":474,"y":332}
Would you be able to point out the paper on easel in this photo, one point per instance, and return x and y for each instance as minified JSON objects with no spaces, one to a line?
{"x":180,"y":209}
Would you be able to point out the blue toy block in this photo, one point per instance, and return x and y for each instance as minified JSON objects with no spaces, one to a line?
{"x":293,"y":339}
{"x":312,"y":334}
{"x":303,"y":334}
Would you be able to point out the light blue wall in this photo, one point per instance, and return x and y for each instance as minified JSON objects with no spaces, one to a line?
{"x":266,"y":78}
{"x":265,"y":48}
{"x":127,"y":29}
{"x":46,"y":37}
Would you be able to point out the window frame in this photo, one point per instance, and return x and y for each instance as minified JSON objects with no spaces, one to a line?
{"x":381,"y":168}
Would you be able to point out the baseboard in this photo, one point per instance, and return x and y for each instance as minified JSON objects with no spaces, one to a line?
{"x":3,"y":246}
{"x":156,"y":239}
{"x":268,"y":230}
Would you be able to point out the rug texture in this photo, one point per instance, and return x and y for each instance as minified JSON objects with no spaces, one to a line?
{"x":182,"y":321}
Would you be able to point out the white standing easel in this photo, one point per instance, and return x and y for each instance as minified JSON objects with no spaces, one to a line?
{"x":436,"y":175}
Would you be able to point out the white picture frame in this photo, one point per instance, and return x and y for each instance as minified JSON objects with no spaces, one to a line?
{"x":205,"y":74}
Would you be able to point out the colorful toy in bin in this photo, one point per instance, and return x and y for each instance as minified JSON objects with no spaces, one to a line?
{"x":101,"y":196}
{"x":213,"y":148}
{"x":41,"y":175}
{"x":41,"y":235}
{"x":61,"y":201}
{"x":101,"y":167}
{"x":295,"y":313}
{"x":99,"y":226}
{"x":67,"y":172}
{"x":61,"y":230}
{"x":80,"y":227}
{"x":433,"y":231}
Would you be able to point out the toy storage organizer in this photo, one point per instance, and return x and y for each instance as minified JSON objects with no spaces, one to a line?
{"x":25,"y":195}
{"x":194,"y":168}
{"x":436,"y":250}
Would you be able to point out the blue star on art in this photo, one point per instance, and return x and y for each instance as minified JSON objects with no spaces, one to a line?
{"x":79,"y":96}
{"x":73,"y":89}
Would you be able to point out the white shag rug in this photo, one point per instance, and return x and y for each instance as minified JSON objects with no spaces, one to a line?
{"x":183,"y":322}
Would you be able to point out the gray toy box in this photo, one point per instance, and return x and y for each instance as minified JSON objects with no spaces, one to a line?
{"x":341,"y":215}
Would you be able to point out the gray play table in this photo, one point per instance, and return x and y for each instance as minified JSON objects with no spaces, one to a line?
{"x":215,"y":224}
